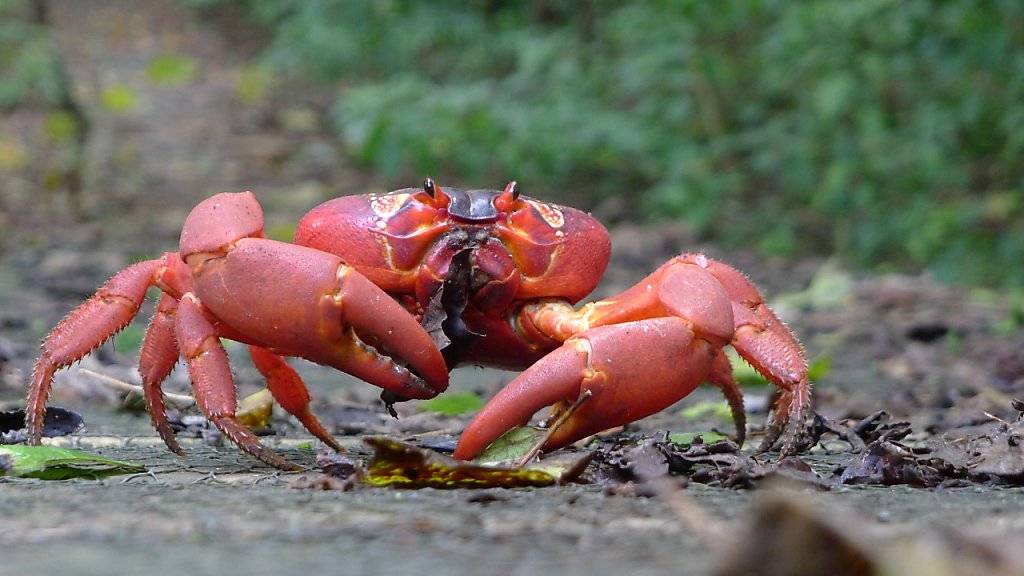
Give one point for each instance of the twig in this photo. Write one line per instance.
(180, 400)
(562, 418)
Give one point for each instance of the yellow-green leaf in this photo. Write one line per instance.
(717, 410)
(453, 403)
(50, 463)
(691, 437)
(402, 465)
(171, 70)
(510, 446)
(119, 98)
(255, 410)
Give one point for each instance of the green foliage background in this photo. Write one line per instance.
(28, 64)
(888, 131)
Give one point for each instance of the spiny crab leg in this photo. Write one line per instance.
(290, 392)
(94, 322)
(157, 357)
(212, 383)
(710, 305)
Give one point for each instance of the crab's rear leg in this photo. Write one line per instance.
(763, 340)
(85, 328)
(157, 357)
(721, 377)
(290, 392)
(212, 383)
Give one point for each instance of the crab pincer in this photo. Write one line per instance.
(632, 370)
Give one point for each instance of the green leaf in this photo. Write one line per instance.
(50, 463)
(819, 367)
(252, 84)
(61, 126)
(511, 446)
(171, 70)
(119, 98)
(690, 437)
(743, 372)
(453, 403)
(717, 410)
(129, 339)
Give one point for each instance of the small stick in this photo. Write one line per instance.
(562, 418)
(181, 400)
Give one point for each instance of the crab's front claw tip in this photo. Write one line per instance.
(632, 370)
(555, 378)
(404, 360)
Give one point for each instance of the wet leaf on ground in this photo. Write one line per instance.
(510, 446)
(338, 464)
(56, 422)
(403, 465)
(720, 463)
(889, 463)
(50, 463)
(999, 457)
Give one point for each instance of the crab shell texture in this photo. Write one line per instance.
(493, 249)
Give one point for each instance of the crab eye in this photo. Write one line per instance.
(429, 188)
(505, 202)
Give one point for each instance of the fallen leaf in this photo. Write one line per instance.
(453, 403)
(50, 463)
(255, 410)
(338, 465)
(510, 446)
(717, 410)
(691, 437)
(403, 465)
(889, 463)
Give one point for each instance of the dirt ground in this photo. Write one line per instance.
(939, 357)
(218, 511)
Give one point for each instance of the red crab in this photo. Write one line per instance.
(400, 288)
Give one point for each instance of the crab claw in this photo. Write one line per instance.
(632, 370)
(386, 345)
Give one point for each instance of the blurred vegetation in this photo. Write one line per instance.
(28, 62)
(888, 131)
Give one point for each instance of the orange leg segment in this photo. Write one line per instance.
(290, 392)
(157, 358)
(212, 383)
(85, 328)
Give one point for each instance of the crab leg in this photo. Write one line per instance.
(157, 358)
(290, 392)
(715, 304)
(721, 377)
(632, 370)
(212, 383)
(763, 340)
(97, 319)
